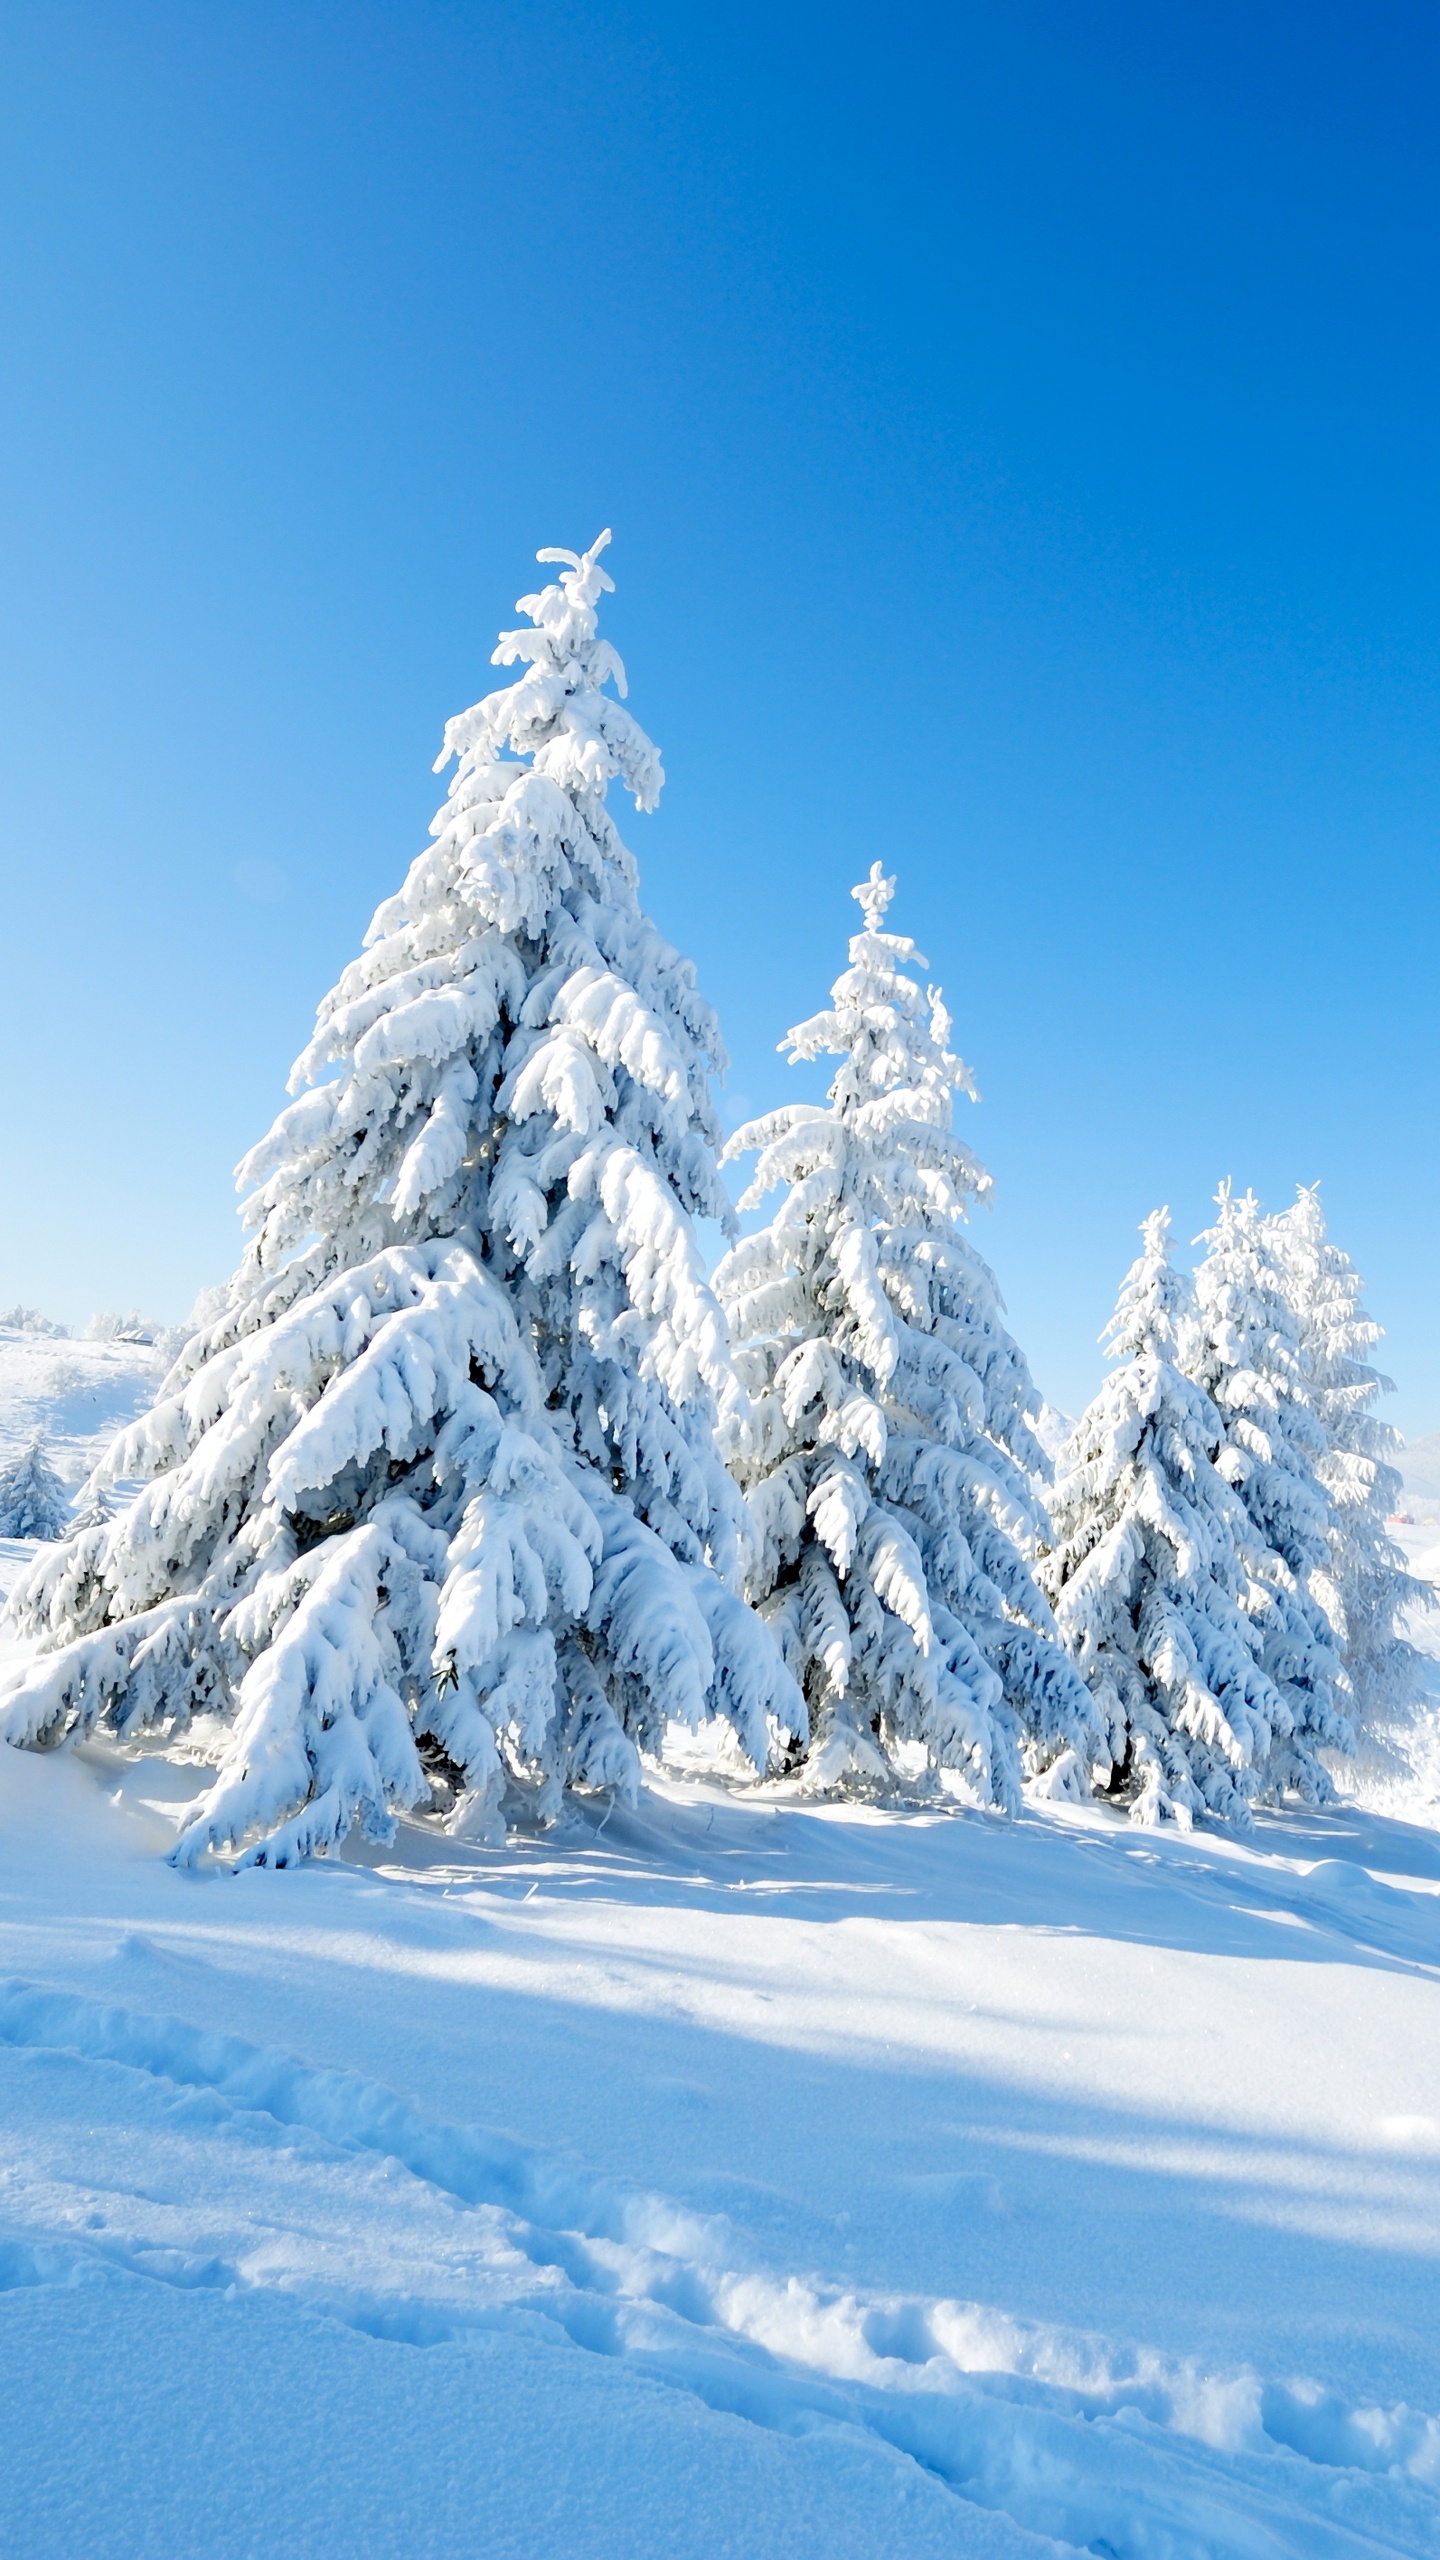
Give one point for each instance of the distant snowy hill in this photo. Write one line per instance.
(74, 1394)
(1419, 1465)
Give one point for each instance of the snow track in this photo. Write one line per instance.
(735, 2181)
(144, 2147)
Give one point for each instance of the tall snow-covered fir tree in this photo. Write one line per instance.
(33, 1501)
(433, 1507)
(1388, 1676)
(1155, 1568)
(1246, 1355)
(888, 1457)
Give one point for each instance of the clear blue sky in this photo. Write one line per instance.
(1019, 427)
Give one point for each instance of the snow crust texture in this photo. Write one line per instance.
(433, 1508)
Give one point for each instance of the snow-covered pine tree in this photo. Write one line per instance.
(433, 1503)
(33, 1501)
(888, 1457)
(1246, 1355)
(1388, 1676)
(1150, 1574)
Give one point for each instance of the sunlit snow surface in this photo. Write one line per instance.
(74, 1394)
(730, 2178)
(736, 2178)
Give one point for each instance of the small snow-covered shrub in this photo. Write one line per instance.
(30, 1320)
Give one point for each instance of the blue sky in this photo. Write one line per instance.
(1019, 431)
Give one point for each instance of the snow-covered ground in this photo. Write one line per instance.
(725, 2178)
(728, 2178)
(74, 1395)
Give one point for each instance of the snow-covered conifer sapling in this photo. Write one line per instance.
(33, 1501)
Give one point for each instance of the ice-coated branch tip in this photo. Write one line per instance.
(577, 559)
(874, 896)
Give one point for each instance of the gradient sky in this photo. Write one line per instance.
(1019, 427)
